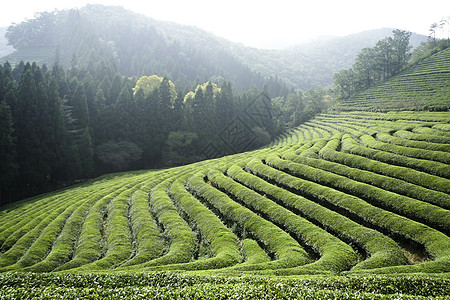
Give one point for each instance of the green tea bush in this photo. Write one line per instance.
(23, 244)
(437, 158)
(88, 247)
(436, 243)
(182, 286)
(182, 240)
(224, 244)
(148, 237)
(23, 217)
(427, 135)
(253, 253)
(63, 246)
(117, 240)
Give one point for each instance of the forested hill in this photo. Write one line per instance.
(107, 37)
(137, 45)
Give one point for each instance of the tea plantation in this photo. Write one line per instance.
(350, 205)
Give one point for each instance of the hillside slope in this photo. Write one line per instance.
(424, 86)
(99, 36)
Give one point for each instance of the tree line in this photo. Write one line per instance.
(59, 126)
(374, 65)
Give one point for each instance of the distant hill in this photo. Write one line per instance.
(313, 64)
(138, 45)
(424, 86)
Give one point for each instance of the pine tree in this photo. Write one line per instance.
(225, 110)
(79, 127)
(164, 107)
(124, 115)
(86, 153)
(54, 134)
(78, 102)
(31, 159)
(8, 161)
(116, 88)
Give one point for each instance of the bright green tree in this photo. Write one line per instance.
(148, 84)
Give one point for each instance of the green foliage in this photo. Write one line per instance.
(224, 244)
(328, 152)
(253, 253)
(5, 49)
(438, 169)
(176, 230)
(170, 286)
(352, 194)
(382, 250)
(148, 84)
(8, 164)
(24, 251)
(435, 216)
(149, 238)
(39, 31)
(119, 155)
(68, 126)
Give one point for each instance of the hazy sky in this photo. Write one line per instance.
(264, 23)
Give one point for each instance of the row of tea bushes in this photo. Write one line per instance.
(287, 250)
(335, 256)
(177, 286)
(380, 249)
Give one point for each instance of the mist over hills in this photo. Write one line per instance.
(4, 48)
(313, 64)
(138, 45)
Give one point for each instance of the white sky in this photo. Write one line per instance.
(264, 23)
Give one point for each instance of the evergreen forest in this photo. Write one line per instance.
(62, 126)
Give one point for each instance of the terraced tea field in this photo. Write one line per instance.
(349, 192)
(426, 85)
(346, 193)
